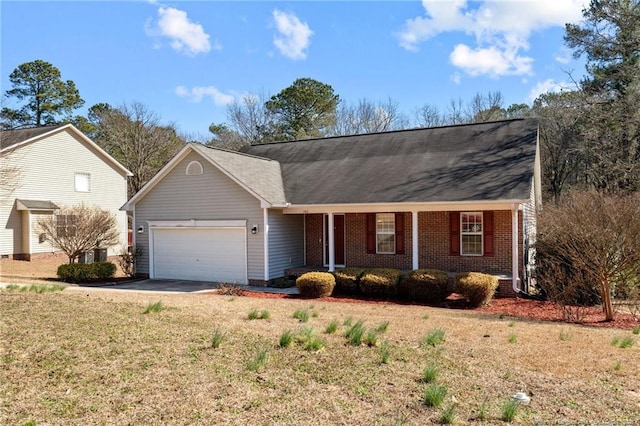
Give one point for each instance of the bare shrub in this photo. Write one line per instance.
(231, 290)
(589, 249)
(127, 260)
(77, 229)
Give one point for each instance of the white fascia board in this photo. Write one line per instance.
(128, 206)
(403, 207)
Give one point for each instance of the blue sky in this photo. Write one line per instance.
(186, 60)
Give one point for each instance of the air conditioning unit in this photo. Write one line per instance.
(100, 255)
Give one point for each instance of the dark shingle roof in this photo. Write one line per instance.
(475, 162)
(14, 137)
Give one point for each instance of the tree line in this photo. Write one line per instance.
(589, 136)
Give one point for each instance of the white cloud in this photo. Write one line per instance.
(293, 36)
(501, 30)
(185, 36)
(456, 77)
(547, 86)
(195, 94)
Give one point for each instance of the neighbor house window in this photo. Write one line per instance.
(66, 225)
(385, 233)
(471, 233)
(83, 182)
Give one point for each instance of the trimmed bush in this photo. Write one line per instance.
(86, 272)
(476, 287)
(316, 284)
(347, 280)
(424, 285)
(380, 282)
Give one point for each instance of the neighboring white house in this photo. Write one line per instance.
(46, 168)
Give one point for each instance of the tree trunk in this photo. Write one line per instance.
(607, 306)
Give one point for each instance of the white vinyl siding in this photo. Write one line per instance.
(209, 196)
(286, 242)
(47, 172)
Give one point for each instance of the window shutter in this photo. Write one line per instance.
(487, 226)
(399, 233)
(371, 233)
(454, 233)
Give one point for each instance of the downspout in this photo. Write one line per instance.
(514, 248)
(304, 238)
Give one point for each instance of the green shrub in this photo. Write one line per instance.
(476, 287)
(347, 280)
(424, 285)
(316, 284)
(380, 282)
(86, 272)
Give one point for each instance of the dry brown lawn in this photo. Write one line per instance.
(38, 271)
(91, 356)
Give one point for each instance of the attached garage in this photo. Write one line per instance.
(202, 251)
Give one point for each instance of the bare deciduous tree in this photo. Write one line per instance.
(133, 135)
(77, 229)
(596, 237)
(368, 117)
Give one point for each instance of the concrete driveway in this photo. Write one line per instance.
(182, 286)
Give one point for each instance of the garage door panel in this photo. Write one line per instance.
(217, 254)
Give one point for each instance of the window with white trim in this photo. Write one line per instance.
(471, 233)
(83, 182)
(66, 225)
(386, 233)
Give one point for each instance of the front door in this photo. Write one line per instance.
(338, 238)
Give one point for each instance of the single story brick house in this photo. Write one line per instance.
(456, 198)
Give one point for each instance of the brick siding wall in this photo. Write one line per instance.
(433, 244)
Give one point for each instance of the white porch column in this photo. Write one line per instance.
(414, 239)
(332, 248)
(514, 248)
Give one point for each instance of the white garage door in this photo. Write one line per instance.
(198, 254)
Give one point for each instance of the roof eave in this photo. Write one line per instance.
(507, 204)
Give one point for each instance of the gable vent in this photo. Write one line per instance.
(194, 168)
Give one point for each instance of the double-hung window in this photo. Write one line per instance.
(386, 233)
(471, 233)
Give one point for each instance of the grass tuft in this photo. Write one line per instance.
(385, 352)
(382, 327)
(332, 327)
(623, 342)
(510, 409)
(565, 336)
(302, 315)
(448, 415)
(217, 338)
(434, 394)
(430, 374)
(354, 333)
(512, 338)
(286, 338)
(372, 338)
(635, 330)
(434, 337)
(254, 314)
(154, 307)
(259, 359)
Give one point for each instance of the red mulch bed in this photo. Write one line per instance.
(510, 307)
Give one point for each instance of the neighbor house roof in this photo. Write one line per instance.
(43, 205)
(475, 162)
(14, 139)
